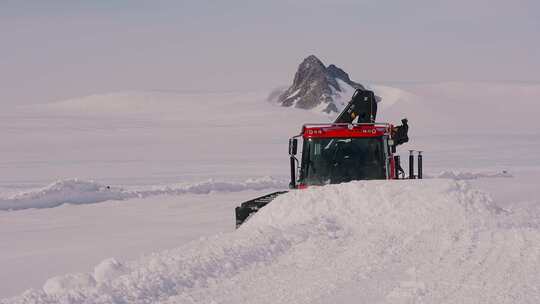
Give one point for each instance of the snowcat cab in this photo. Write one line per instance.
(339, 153)
(354, 147)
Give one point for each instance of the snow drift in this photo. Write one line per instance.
(72, 191)
(427, 241)
(75, 191)
(459, 175)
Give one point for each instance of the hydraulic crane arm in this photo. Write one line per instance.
(363, 105)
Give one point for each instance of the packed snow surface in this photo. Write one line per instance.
(430, 241)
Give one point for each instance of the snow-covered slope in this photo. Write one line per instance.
(402, 242)
(464, 108)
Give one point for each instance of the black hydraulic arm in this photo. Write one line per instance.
(363, 105)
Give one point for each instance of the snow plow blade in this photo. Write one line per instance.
(246, 209)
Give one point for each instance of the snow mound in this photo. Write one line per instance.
(107, 270)
(59, 284)
(426, 241)
(75, 191)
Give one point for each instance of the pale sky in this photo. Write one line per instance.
(53, 50)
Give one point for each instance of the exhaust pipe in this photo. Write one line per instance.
(419, 164)
(292, 184)
(411, 164)
(397, 165)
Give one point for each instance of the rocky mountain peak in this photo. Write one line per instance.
(311, 62)
(317, 86)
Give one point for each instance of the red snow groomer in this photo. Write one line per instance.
(354, 147)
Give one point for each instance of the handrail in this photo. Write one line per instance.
(375, 124)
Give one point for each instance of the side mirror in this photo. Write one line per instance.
(293, 146)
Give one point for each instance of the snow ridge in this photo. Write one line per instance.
(75, 191)
(459, 175)
(427, 241)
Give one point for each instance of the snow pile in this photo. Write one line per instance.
(75, 191)
(109, 269)
(68, 282)
(426, 241)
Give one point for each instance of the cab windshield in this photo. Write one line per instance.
(339, 160)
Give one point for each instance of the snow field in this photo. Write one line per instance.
(157, 138)
(430, 241)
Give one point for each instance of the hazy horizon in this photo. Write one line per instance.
(63, 49)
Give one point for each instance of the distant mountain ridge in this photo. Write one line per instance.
(316, 86)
